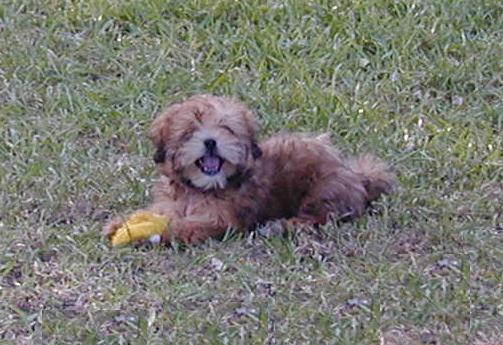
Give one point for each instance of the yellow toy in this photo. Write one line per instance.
(141, 225)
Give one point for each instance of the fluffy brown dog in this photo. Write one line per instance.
(216, 176)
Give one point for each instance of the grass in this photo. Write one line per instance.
(418, 82)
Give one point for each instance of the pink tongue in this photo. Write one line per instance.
(211, 163)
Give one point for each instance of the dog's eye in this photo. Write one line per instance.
(198, 115)
(186, 136)
(228, 129)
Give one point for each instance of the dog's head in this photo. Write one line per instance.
(206, 142)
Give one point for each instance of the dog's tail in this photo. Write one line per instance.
(377, 178)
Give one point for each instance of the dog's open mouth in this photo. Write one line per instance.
(210, 164)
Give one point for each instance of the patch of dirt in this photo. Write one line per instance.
(87, 141)
(398, 337)
(402, 336)
(315, 244)
(488, 341)
(29, 303)
(13, 277)
(76, 210)
(410, 242)
(242, 315)
(46, 255)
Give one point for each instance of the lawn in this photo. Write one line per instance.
(420, 83)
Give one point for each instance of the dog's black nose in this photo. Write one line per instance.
(210, 144)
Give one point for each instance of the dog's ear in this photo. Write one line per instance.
(253, 129)
(240, 176)
(160, 155)
(256, 150)
(160, 131)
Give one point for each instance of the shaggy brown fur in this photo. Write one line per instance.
(216, 176)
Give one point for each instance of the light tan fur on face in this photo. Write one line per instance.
(294, 178)
(183, 128)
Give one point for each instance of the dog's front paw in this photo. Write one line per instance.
(112, 226)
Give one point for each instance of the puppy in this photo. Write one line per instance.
(215, 175)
